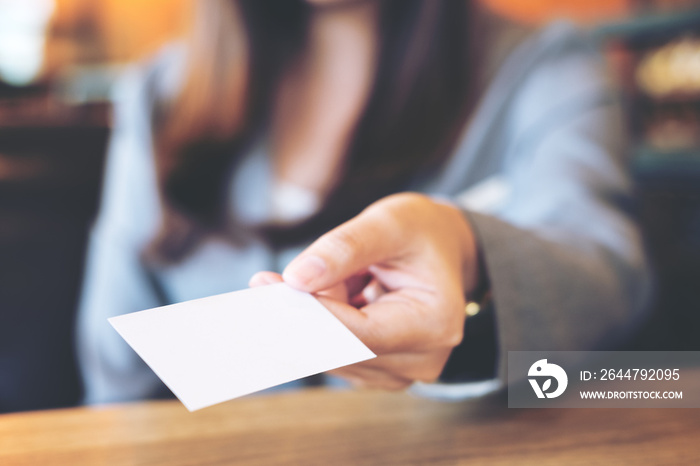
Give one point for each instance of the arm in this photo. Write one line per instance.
(566, 262)
(564, 259)
(564, 256)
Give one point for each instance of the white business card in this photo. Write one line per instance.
(214, 349)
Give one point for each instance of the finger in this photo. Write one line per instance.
(398, 322)
(358, 282)
(369, 293)
(373, 291)
(371, 237)
(264, 278)
(354, 319)
(375, 326)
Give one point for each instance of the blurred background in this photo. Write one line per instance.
(60, 58)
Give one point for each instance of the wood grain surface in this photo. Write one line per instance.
(320, 426)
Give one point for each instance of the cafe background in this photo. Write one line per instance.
(60, 58)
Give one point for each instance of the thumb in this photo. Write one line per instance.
(370, 238)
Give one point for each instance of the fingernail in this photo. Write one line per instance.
(301, 272)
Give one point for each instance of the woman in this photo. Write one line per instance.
(283, 119)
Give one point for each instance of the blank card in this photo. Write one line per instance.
(214, 349)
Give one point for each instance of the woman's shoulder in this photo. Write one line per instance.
(542, 74)
(560, 65)
(515, 60)
(545, 68)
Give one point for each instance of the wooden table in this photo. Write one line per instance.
(324, 427)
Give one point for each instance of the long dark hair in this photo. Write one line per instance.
(239, 50)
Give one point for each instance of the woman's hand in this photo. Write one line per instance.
(396, 276)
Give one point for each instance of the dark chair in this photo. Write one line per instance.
(50, 170)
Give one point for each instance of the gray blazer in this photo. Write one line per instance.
(540, 171)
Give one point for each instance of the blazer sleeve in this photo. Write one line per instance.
(563, 253)
(115, 280)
